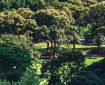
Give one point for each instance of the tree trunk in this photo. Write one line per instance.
(74, 40)
(73, 46)
(52, 44)
(98, 42)
(54, 48)
(98, 47)
(48, 46)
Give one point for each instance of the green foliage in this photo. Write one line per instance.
(96, 16)
(24, 21)
(53, 24)
(50, 16)
(17, 22)
(28, 78)
(14, 62)
(17, 40)
(36, 4)
(41, 34)
(22, 41)
(86, 78)
(77, 2)
(69, 56)
(33, 4)
(58, 70)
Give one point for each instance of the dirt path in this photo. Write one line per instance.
(95, 55)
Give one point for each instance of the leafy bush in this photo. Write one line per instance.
(56, 71)
(21, 41)
(72, 56)
(85, 78)
(13, 62)
(29, 78)
(17, 40)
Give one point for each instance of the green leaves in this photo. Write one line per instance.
(18, 22)
(53, 17)
(13, 62)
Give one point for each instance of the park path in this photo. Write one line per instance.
(95, 55)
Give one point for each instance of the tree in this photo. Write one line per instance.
(25, 12)
(4, 5)
(96, 18)
(18, 22)
(35, 4)
(72, 36)
(57, 21)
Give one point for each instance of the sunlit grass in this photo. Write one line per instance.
(90, 61)
(66, 45)
(40, 45)
(77, 46)
(83, 48)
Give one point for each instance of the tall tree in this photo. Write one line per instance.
(57, 21)
(96, 18)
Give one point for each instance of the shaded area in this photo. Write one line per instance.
(93, 74)
(13, 62)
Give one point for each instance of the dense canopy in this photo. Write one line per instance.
(63, 28)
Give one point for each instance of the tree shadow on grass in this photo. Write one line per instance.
(97, 67)
(91, 75)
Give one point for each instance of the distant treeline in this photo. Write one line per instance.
(39, 4)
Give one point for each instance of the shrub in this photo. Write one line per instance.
(85, 78)
(13, 62)
(17, 40)
(29, 78)
(56, 71)
(72, 56)
(21, 41)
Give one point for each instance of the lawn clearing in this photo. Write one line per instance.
(92, 60)
(83, 48)
(40, 45)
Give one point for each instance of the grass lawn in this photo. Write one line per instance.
(40, 45)
(90, 61)
(79, 46)
(82, 48)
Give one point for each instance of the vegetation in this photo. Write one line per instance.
(52, 42)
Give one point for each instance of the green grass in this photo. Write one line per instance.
(78, 46)
(83, 48)
(65, 46)
(40, 45)
(90, 61)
